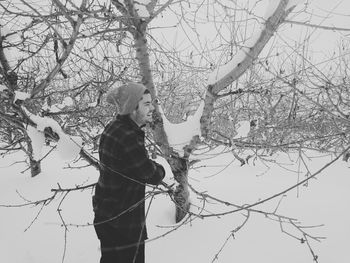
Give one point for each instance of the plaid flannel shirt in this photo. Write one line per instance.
(125, 169)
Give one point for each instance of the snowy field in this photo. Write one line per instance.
(28, 236)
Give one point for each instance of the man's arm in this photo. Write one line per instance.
(138, 164)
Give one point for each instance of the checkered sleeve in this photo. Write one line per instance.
(138, 165)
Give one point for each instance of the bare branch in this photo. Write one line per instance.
(332, 28)
(67, 50)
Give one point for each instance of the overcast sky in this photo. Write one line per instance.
(322, 13)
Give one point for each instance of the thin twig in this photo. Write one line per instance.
(332, 28)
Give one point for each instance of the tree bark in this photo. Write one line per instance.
(181, 193)
(35, 165)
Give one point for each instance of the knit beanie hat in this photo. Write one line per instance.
(126, 97)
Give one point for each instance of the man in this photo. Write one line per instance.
(125, 169)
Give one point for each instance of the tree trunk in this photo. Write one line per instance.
(35, 165)
(179, 166)
(181, 194)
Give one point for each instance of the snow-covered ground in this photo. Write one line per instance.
(26, 237)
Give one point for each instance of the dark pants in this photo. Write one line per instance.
(116, 247)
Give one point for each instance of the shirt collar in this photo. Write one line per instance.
(128, 121)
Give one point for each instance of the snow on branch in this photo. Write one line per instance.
(19, 95)
(2, 88)
(224, 75)
(68, 147)
(58, 107)
(141, 8)
(181, 134)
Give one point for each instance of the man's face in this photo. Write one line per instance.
(143, 114)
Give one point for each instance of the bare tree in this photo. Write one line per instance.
(59, 58)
